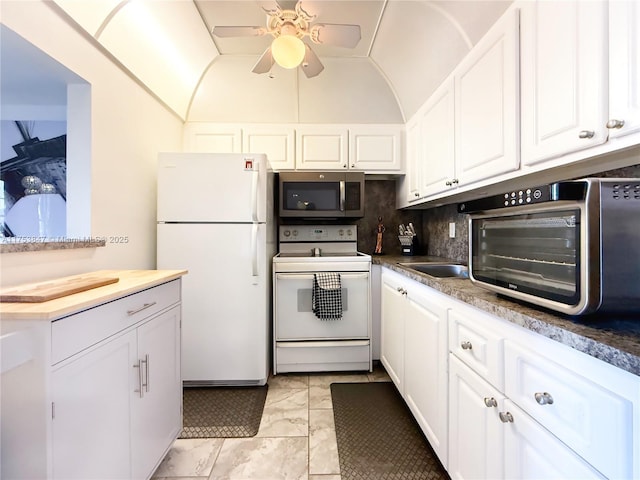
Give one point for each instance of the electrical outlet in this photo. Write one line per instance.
(452, 230)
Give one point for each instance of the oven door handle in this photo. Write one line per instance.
(342, 194)
(309, 276)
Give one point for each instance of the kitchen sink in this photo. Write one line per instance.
(440, 270)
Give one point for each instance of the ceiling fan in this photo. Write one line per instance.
(288, 27)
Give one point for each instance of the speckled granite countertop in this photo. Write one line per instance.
(613, 339)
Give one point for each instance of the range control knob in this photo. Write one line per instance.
(286, 233)
(341, 232)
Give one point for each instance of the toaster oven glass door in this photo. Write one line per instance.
(535, 253)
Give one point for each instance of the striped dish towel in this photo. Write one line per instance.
(327, 296)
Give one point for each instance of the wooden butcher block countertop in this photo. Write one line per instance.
(128, 282)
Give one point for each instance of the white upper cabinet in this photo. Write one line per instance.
(322, 148)
(564, 87)
(368, 148)
(212, 138)
(486, 104)
(437, 137)
(375, 147)
(624, 68)
(278, 143)
(413, 159)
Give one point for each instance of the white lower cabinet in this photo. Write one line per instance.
(498, 401)
(91, 420)
(552, 420)
(476, 435)
(126, 393)
(392, 324)
(101, 397)
(414, 351)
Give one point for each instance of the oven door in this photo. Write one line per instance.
(295, 320)
(533, 256)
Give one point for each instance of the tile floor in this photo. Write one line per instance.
(296, 439)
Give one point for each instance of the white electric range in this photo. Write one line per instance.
(303, 341)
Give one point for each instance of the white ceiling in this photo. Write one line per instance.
(407, 48)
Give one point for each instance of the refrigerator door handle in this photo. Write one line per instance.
(254, 195)
(254, 252)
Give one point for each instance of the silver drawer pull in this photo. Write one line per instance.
(506, 417)
(466, 345)
(613, 123)
(543, 398)
(490, 402)
(586, 134)
(143, 307)
(145, 384)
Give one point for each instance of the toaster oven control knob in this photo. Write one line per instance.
(586, 134)
(466, 345)
(490, 402)
(294, 233)
(341, 232)
(543, 398)
(287, 233)
(613, 123)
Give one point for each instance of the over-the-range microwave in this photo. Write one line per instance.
(573, 246)
(321, 194)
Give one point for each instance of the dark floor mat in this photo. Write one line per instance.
(222, 412)
(378, 437)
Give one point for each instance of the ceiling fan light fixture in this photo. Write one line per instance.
(288, 51)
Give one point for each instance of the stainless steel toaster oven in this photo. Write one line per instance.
(573, 247)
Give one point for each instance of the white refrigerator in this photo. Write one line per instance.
(215, 219)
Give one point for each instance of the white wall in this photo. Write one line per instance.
(128, 129)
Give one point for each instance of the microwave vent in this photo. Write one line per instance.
(626, 191)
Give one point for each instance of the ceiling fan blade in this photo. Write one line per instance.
(264, 64)
(307, 9)
(333, 34)
(224, 31)
(271, 7)
(311, 65)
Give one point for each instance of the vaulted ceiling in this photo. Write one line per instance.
(408, 47)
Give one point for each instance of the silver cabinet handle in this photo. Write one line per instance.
(417, 194)
(454, 181)
(143, 307)
(543, 398)
(401, 290)
(140, 381)
(613, 123)
(466, 345)
(490, 402)
(586, 134)
(448, 183)
(506, 417)
(353, 165)
(344, 166)
(146, 371)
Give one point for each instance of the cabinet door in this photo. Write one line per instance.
(376, 148)
(156, 417)
(437, 137)
(532, 453)
(563, 77)
(487, 103)
(91, 415)
(205, 137)
(412, 178)
(322, 148)
(426, 360)
(476, 434)
(624, 67)
(276, 143)
(558, 388)
(392, 329)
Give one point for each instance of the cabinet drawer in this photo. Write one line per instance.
(473, 341)
(322, 356)
(74, 333)
(594, 419)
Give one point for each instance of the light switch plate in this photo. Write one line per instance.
(452, 230)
